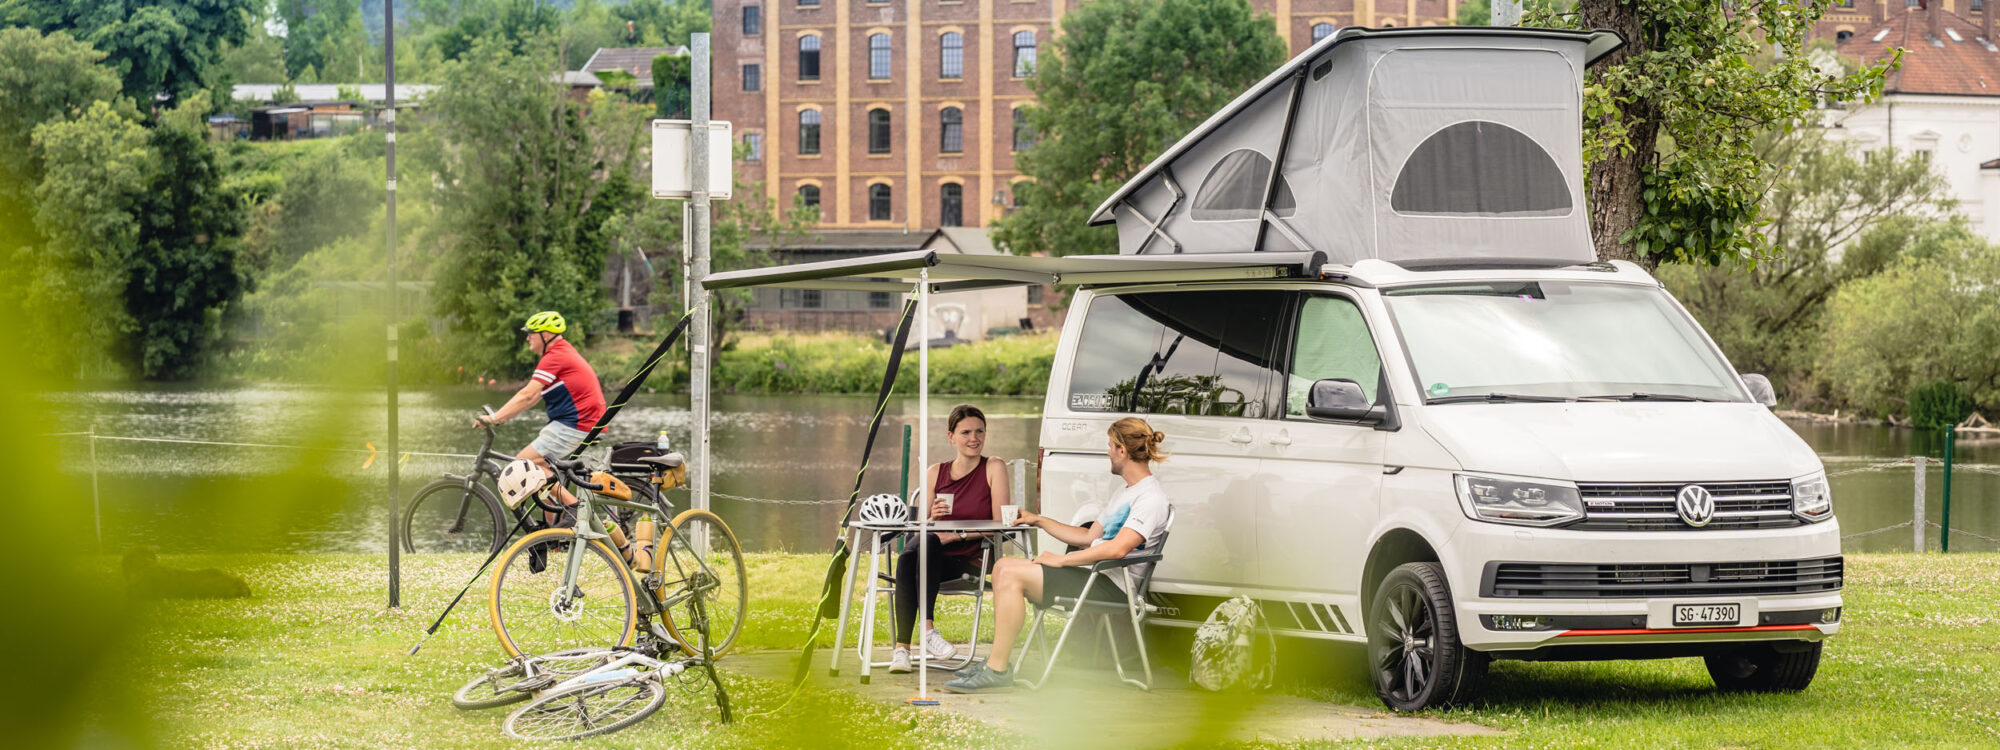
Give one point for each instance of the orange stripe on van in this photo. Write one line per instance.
(1646, 631)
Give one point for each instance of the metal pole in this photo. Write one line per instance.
(1917, 513)
(1944, 529)
(924, 466)
(903, 487)
(698, 335)
(389, 120)
(96, 509)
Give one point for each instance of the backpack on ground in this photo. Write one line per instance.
(1234, 648)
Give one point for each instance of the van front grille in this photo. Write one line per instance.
(1649, 506)
(1637, 580)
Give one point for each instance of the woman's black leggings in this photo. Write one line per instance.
(943, 568)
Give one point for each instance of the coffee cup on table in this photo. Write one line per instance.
(945, 499)
(1009, 514)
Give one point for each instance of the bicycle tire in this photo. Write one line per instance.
(423, 519)
(727, 607)
(522, 607)
(500, 686)
(642, 694)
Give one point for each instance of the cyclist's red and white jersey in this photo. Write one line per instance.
(569, 387)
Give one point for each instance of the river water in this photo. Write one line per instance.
(326, 495)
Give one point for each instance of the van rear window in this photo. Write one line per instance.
(1205, 353)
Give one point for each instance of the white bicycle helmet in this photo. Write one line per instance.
(519, 480)
(882, 509)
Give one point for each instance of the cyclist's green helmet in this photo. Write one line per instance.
(547, 320)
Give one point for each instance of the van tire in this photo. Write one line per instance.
(1415, 655)
(1764, 668)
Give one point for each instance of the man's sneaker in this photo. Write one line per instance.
(899, 660)
(938, 647)
(970, 669)
(983, 681)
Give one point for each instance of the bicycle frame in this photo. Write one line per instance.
(589, 526)
(660, 670)
(486, 463)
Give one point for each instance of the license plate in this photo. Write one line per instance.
(1707, 614)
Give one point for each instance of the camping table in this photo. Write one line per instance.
(881, 533)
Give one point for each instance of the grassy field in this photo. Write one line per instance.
(315, 660)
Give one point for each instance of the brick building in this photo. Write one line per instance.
(1850, 17)
(901, 113)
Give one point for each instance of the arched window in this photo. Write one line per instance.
(809, 132)
(1322, 31)
(951, 55)
(878, 56)
(1234, 189)
(952, 212)
(951, 138)
(1842, 36)
(1480, 168)
(809, 196)
(878, 131)
(808, 58)
(878, 203)
(1024, 54)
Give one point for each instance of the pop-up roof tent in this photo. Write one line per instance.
(1417, 146)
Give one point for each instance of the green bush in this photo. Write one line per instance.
(1939, 406)
(1924, 320)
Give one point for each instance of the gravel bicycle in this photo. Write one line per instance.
(524, 676)
(589, 596)
(606, 698)
(460, 513)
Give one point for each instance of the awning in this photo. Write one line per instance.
(950, 272)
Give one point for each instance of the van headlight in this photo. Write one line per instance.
(1525, 502)
(1812, 498)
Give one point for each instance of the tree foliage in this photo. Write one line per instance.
(1925, 320)
(181, 278)
(673, 97)
(43, 78)
(1671, 118)
(328, 37)
(157, 47)
(1123, 81)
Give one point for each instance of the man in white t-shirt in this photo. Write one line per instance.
(1135, 517)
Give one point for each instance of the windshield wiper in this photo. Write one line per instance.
(1497, 398)
(1645, 397)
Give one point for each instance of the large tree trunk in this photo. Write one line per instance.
(1616, 191)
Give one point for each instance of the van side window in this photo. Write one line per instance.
(1204, 353)
(1333, 342)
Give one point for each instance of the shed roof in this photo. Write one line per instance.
(635, 60)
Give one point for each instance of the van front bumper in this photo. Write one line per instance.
(1538, 593)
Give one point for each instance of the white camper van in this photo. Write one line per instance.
(1462, 438)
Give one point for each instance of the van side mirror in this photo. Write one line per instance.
(1339, 399)
(1761, 390)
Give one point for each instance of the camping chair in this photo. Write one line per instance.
(1135, 610)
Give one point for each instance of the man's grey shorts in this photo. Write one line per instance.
(557, 440)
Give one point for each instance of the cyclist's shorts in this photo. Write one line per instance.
(557, 440)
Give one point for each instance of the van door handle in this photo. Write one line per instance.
(1242, 435)
(1283, 438)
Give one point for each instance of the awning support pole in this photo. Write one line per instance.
(924, 583)
(1264, 215)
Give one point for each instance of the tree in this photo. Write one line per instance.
(1834, 216)
(86, 205)
(1116, 91)
(514, 23)
(1925, 320)
(327, 36)
(43, 78)
(656, 23)
(156, 46)
(673, 95)
(1670, 119)
(181, 277)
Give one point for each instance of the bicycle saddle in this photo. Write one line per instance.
(667, 461)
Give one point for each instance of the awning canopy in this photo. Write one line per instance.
(949, 272)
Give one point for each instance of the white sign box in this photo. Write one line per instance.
(673, 170)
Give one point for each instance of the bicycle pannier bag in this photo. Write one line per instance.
(625, 457)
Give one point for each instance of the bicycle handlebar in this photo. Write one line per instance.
(575, 472)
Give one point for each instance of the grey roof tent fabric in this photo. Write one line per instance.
(1422, 147)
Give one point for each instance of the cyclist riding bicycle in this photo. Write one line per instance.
(569, 392)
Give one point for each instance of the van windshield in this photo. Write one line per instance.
(1555, 340)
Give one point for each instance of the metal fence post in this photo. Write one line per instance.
(1917, 514)
(1944, 529)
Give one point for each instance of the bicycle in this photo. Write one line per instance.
(523, 676)
(589, 596)
(460, 513)
(609, 697)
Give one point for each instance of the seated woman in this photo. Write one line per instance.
(1134, 517)
(969, 487)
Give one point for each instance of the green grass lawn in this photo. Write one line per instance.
(314, 659)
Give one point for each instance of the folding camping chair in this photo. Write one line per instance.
(1135, 609)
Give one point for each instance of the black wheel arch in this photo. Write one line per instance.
(1398, 546)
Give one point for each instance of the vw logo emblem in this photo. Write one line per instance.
(1695, 505)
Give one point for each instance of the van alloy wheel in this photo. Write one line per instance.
(1413, 647)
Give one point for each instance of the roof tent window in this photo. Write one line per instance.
(1234, 189)
(1479, 168)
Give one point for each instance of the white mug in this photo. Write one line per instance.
(1009, 514)
(946, 498)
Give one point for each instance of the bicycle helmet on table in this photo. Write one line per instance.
(519, 480)
(882, 509)
(548, 321)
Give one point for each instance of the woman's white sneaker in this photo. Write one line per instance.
(899, 660)
(938, 647)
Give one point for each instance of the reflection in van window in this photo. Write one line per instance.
(1557, 339)
(1333, 342)
(1204, 353)
(1481, 168)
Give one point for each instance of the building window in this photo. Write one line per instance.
(878, 202)
(951, 139)
(952, 210)
(1035, 294)
(1977, 5)
(1024, 134)
(808, 58)
(881, 300)
(808, 3)
(951, 47)
(753, 146)
(878, 131)
(809, 196)
(1024, 54)
(1842, 36)
(809, 132)
(810, 299)
(753, 77)
(878, 57)
(1322, 31)
(753, 20)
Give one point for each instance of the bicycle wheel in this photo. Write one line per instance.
(587, 711)
(713, 572)
(533, 614)
(444, 516)
(510, 683)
